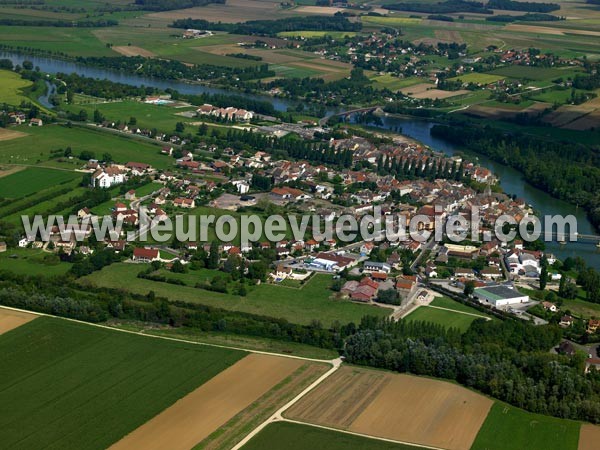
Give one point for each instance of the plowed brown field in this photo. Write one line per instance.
(197, 415)
(589, 437)
(394, 406)
(10, 319)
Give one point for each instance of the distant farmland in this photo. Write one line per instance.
(65, 385)
(33, 179)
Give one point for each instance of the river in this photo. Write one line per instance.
(511, 180)
(513, 183)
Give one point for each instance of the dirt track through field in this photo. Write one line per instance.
(394, 406)
(589, 437)
(197, 415)
(10, 320)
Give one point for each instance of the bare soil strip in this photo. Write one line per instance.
(589, 437)
(131, 50)
(197, 415)
(395, 406)
(233, 431)
(9, 135)
(10, 320)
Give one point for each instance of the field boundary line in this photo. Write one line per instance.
(353, 433)
(185, 341)
(460, 312)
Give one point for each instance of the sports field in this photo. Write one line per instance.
(65, 385)
(293, 436)
(432, 413)
(33, 179)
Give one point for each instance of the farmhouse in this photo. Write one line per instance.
(184, 202)
(145, 255)
(500, 295)
(36, 122)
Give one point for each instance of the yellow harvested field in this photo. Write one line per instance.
(10, 319)
(401, 407)
(417, 88)
(198, 414)
(8, 135)
(132, 50)
(324, 10)
(589, 437)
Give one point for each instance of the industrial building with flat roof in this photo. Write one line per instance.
(500, 295)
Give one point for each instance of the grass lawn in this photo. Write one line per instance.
(11, 86)
(510, 428)
(295, 305)
(162, 117)
(33, 179)
(448, 319)
(36, 147)
(29, 261)
(445, 302)
(65, 385)
(394, 83)
(478, 78)
(292, 436)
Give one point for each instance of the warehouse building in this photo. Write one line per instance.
(500, 295)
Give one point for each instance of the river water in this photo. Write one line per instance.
(511, 180)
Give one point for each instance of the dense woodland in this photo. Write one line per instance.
(512, 5)
(337, 22)
(166, 5)
(445, 7)
(508, 360)
(566, 170)
(175, 70)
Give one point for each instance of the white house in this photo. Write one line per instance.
(107, 177)
(242, 186)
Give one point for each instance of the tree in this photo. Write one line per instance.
(388, 296)
(544, 273)
(469, 288)
(179, 127)
(213, 256)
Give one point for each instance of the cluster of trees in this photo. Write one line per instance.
(175, 70)
(167, 5)
(445, 7)
(529, 17)
(99, 259)
(508, 360)
(98, 23)
(512, 5)
(99, 88)
(408, 169)
(566, 170)
(337, 22)
(587, 82)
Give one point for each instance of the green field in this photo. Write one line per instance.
(294, 72)
(296, 305)
(535, 73)
(36, 147)
(389, 21)
(448, 319)
(33, 179)
(394, 83)
(477, 78)
(292, 436)
(65, 385)
(445, 302)
(25, 261)
(11, 87)
(312, 34)
(510, 428)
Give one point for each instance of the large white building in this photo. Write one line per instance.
(500, 295)
(107, 177)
